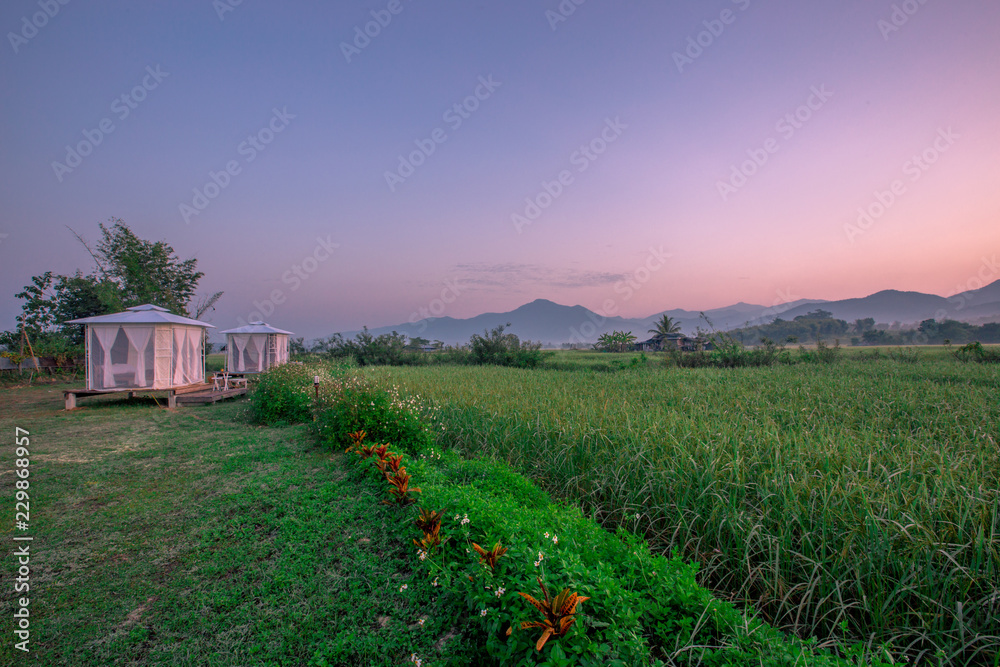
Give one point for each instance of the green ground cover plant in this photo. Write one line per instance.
(637, 608)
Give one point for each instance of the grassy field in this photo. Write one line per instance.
(858, 499)
(192, 538)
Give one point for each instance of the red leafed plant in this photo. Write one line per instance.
(356, 439)
(560, 614)
(399, 489)
(389, 465)
(490, 557)
(429, 521)
(367, 451)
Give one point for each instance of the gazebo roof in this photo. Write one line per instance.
(256, 327)
(145, 314)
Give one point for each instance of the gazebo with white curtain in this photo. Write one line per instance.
(255, 348)
(143, 348)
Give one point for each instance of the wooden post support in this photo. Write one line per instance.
(70, 400)
(172, 399)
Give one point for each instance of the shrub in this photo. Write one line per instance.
(357, 403)
(369, 350)
(823, 354)
(977, 353)
(497, 348)
(731, 353)
(285, 394)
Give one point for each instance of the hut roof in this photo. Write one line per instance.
(144, 314)
(256, 327)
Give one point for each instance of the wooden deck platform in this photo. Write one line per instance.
(195, 394)
(208, 395)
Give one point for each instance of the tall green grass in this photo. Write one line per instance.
(851, 502)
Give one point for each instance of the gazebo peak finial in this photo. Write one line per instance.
(147, 306)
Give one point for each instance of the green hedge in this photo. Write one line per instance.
(285, 394)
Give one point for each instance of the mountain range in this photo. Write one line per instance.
(554, 324)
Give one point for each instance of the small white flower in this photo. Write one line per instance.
(546, 536)
(403, 588)
(435, 582)
(421, 621)
(555, 539)
(484, 612)
(501, 591)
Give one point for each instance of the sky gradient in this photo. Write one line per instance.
(708, 152)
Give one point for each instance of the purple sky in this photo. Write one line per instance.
(705, 174)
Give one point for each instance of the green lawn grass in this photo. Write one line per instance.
(191, 538)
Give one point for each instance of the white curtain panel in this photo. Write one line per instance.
(179, 340)
(239, 342)
(139, 339)
(106, 335)
(195, 369)
(259, 343)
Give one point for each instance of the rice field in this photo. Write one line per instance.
(854, 502)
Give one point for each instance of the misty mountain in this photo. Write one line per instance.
(554, 324)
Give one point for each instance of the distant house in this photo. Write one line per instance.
(673, 342)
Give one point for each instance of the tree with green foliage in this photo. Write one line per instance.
(129, 271)
(664, 327)
(498, 348)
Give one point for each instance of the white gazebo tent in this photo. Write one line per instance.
(255, 348)
(144, 347)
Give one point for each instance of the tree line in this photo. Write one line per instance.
(128, 271)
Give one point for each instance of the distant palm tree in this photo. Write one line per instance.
(626, 339)
(664, 327)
